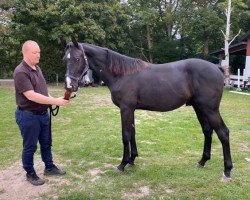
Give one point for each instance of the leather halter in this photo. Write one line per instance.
(85, 68)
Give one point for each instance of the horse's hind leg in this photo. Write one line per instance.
(222, 131)
(207, 131)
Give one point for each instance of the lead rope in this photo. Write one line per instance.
(52, 112)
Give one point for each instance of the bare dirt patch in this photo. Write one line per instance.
(13, 183)
(245, 146)
(95, 174)
(147, 142)
(143, 191)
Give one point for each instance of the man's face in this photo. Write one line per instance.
(32, 53)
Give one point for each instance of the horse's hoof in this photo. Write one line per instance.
(118, 171)
(226, 179)
(120, 168)
(200, 165)
(131, 165)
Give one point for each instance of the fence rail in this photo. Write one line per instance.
(6, 83)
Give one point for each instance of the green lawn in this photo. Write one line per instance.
(87, 141)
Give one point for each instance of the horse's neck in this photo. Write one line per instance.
(104, 74)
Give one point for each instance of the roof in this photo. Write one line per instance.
(245, 37)
(236, 49)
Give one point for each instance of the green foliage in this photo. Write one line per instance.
(102, 23)
(173, 51)
(165, 30)
(202, 23)
(240, 16)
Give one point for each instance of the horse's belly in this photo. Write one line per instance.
(161, 102)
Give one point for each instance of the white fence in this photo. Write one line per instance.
(238, 80)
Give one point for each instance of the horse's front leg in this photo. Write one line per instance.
(133, 146)
(127, 117)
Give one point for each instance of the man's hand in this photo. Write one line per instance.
(61, 101)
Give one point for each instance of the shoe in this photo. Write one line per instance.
(54, 171)
(34, 179)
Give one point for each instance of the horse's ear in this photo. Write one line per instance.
(73, 39)
(63, 42)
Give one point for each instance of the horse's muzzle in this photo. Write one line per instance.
(70, 86)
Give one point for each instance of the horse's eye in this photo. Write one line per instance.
(78, 59)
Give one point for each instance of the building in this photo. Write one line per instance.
(241, 48)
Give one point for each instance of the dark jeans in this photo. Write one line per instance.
(34, 128)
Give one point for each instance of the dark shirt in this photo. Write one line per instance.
(25, 79)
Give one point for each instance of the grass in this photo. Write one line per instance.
(87, 142)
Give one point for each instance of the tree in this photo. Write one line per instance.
(154, 30)
(7, 43)
(46, 21)
(227, 34)
(200, 24)
(227, 43)
(153, 24)
(144, 16)
(168, 13)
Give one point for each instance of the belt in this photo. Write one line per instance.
(35, 112)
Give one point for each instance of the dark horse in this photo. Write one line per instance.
(135, 84)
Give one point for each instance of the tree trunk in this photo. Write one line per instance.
(149, 44)
(169, 19)
(206, 49)
(227, 36)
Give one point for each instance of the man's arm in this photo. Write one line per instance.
(42, 99)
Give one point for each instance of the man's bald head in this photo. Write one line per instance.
(31, 53)
(28, 45)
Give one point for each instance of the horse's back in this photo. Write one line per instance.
(189, 81)
(197, 72)
(167, 86)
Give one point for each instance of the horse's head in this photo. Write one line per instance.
(76, 62)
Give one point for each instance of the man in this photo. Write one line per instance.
(32, 101)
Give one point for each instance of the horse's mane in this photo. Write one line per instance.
(123, 65)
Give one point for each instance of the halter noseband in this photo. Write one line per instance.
(85, 69)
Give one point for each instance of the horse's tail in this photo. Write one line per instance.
(221, 68)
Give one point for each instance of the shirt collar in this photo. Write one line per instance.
(28, 67)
